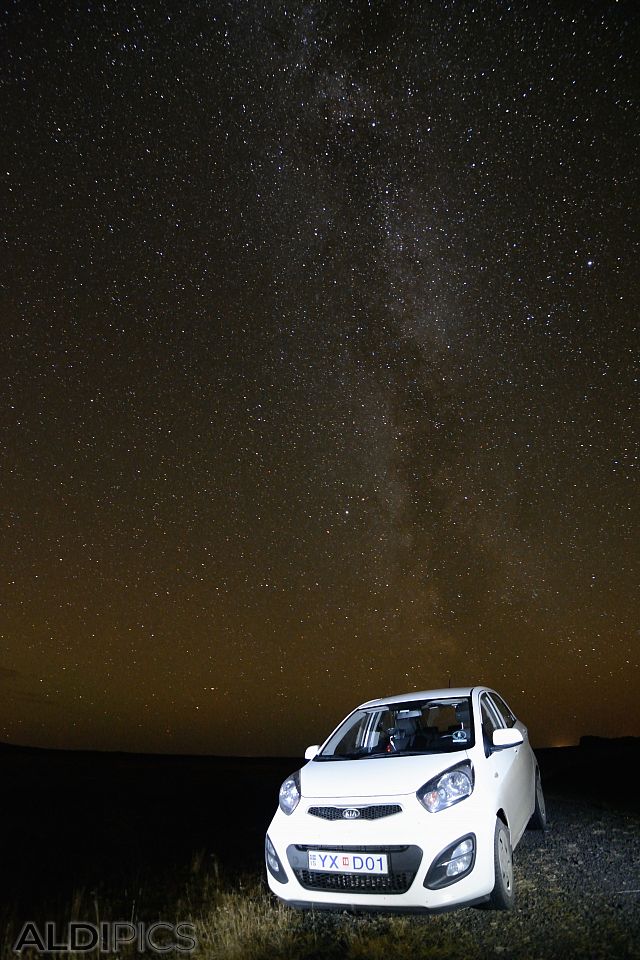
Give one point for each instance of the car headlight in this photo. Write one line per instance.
(447, 788)
(289, 796)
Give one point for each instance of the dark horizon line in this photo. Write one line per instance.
(585, 741)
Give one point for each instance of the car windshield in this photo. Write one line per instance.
(401, 729)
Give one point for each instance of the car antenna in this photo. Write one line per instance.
(449, 681)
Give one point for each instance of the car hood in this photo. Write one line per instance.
(380, 777)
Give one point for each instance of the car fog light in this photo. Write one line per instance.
(273, 862)
(460, 858)
(272, 858)
(455, 862)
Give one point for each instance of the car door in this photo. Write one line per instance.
(505, 768)
(524, 760)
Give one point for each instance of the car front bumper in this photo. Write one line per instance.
(413, 840)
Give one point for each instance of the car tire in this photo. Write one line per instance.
(538, 819)
(503, 893)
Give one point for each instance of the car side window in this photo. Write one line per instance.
(504, 711)
(490, 722)
(489, 718)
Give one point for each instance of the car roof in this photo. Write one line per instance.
(447, 693)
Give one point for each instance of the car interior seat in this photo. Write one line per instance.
(426, 738)
(404, 733)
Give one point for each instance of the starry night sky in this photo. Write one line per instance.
(319, 366)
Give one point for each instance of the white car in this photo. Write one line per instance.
(415, 802)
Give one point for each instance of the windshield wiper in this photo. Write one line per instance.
(442, 748)
(345, 756)
(325, 758)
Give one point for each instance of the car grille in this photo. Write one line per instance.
(374, 812)
(389, 883)
(403, 866)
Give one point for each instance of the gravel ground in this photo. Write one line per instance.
(578, 897)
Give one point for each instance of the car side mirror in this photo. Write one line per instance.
(506, 737)
(311, 752)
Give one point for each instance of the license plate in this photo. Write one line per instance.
(331, 861)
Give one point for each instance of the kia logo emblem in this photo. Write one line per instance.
(351, 813)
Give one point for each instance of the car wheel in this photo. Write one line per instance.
(503, 893)
(538, 819)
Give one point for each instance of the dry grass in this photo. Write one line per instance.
(241, 920)
(236, 918)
